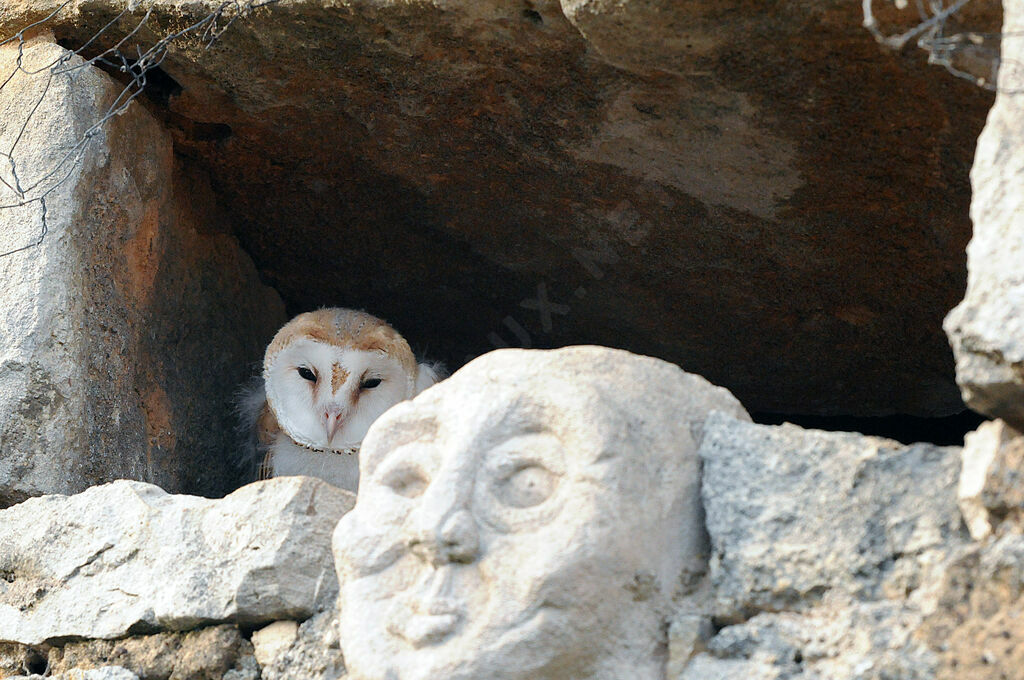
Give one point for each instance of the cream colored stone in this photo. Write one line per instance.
(688, 635)
(274, 640)
(534, 516)
(979, 451)
(989, 492)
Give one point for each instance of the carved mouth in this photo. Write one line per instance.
(425, 622)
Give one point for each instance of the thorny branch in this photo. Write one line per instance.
(946, 46)
(135, 68)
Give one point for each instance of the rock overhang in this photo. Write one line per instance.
(763, 197)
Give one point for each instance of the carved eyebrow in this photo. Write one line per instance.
(538, 446)
(401, 433)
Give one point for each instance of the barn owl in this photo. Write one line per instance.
(327, 375)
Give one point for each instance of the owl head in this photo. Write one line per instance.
(329, 374)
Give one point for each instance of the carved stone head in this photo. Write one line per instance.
(530, 517)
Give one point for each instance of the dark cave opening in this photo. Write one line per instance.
(907, 429)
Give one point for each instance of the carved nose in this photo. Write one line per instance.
(453, 537)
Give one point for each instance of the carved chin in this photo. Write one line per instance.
(425, 614)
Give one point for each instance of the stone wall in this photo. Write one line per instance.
(832, 555)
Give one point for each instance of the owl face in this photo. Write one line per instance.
(326, 396)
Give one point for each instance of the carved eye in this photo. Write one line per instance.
(406, 481)
(527, 486)
(307, 374)
(370, 383)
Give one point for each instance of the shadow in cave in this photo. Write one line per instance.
(943, 431)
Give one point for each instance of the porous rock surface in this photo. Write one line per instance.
(977, 622)
(127, 557)
(313, 653)
(825, 510)
(673, 178)
(986, 329)
(125, 332)
(829, 553)
(101, 673)
(208, 653)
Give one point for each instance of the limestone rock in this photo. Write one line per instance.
(688, 634)
(533, 517)
(669, 177)
(205, 654)
(978, 622)
(991, 489)
(127, 557)
(314, 654)
(271, 642)
(986, 330)
(839, 641)
(794, 514)
(17, 659)
(833, 556)
(124, 333)
(102, 673)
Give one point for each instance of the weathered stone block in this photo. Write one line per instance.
(795, 513)
(314, 654)
(986, 330)
(127, 557)
(204, 654)
(977, 622)
(851, 641)
(125, 331)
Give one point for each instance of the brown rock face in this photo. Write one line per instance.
(204, 654)
(756, 192)
(125, 332)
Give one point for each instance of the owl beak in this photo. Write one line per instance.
(332, 422)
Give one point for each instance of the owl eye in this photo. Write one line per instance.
(370, 383)
(307, 374)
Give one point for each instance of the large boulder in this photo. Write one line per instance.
(128, 317)
(127, 557)
(986, 329)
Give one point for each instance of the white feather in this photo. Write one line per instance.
(430, 373)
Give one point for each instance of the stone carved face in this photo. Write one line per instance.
(520, 521)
